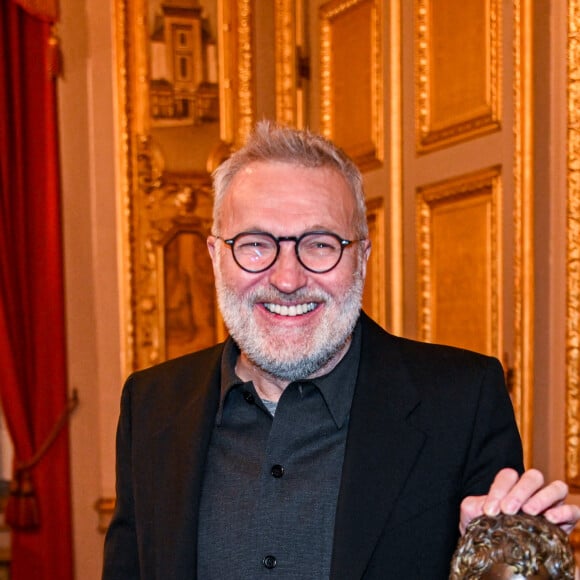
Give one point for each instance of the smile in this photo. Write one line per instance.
(294, 310)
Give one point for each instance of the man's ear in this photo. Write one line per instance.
(367, 249)
(211, 241)
(365, 259)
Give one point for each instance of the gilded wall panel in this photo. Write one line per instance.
(351, 78)
(573, 253)
(184, 78)
(458, 70)
(522, 363)
(236, 58)
(459, 270)
(374, 292)
(289, 48)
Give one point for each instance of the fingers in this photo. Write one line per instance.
(565, 516)
(509, 493)
(550, 496)
(471, 507)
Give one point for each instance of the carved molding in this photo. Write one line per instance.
(286, 62)
(245, 58)
(157, 203)
(167, 205)
(453, 193)
(394, 114)
(236, 59)
(366, 150)
(482, 119)
(374, 293)
(125, 120)
(573, 252)
(522, 379)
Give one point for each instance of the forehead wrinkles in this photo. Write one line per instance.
(321, 196)
(314, 207)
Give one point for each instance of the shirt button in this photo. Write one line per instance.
(269, 562)
(248, 397)
(277, 471)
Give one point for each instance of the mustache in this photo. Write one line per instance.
(275, 295)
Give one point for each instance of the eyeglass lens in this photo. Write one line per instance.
(318, 252)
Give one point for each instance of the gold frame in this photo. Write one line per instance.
(289, 18)
(237, 99)
(456, 189)
(376, 274)
(430, 139)
(522, 379)
(154, 204)
(371, 154)
(572, 254)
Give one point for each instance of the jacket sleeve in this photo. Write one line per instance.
(495, 440)
(121, 561)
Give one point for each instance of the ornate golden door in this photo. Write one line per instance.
(432, 99)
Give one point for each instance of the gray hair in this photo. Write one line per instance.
(272, 142)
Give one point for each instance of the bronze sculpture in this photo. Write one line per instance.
(513, 547)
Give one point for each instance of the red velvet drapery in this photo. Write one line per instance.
(33, 387)
(43, 9)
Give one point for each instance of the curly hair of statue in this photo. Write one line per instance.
(512, 546)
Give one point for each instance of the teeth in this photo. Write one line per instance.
(294, 310)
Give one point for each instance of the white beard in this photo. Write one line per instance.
(284, 353)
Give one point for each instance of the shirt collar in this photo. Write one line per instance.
(337, 387)
(229, 378)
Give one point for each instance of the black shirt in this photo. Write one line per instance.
(271, 483)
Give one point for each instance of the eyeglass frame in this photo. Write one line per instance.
(230, 242)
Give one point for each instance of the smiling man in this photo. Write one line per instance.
(295, 320)
(312, 444)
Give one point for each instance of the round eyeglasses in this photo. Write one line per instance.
(318, 252)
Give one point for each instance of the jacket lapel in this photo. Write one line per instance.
(179, 449)
(381, 449)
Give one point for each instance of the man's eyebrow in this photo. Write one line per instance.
(311, 228)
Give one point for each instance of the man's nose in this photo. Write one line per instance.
(287, 274)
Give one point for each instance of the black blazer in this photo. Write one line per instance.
(429, 425)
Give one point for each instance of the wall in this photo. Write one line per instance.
(88, 157)
(87, 112)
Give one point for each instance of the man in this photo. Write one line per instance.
(312, 444)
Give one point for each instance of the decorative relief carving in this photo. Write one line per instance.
(170, 205)
(286, 48)
(374, 292)
(237, 62)
(126, 181)
(447, 246)
(448, 112)
(352, 78)
(573, 252)
(168, 77)
(245, 54)
(521, 374)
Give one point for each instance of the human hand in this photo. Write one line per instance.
(509, 493)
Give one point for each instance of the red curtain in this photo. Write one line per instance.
(33, 389)
(45, 9)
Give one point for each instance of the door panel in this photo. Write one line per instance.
(432, 98)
